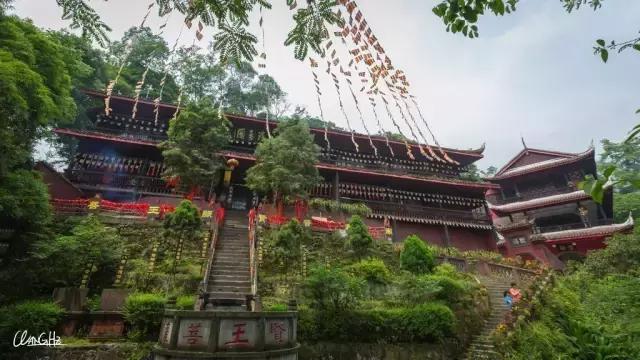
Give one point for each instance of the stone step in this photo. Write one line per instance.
(227, 271)
(229, 277)
(239, 263)
(227, 295)
(223, 282)
(229, 289)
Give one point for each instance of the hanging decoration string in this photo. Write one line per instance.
(363, 78)
(156, 101)
(381, 70)
(263, 65)
(127, 52)
(335, 61)
(140, 83)
(393, 120)
(314, 65)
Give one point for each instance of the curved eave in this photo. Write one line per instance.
(586, 233)
(104, 137)
(476, 153)
(540, 202)
(524, 170)
(452, 223)
(444, 182)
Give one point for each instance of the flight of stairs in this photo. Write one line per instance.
(481, 346)
(229, 280)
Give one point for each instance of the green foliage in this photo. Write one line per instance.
(329, 205)
(185, 302)
(276, 307)
(311, 27)
(416, 256)
(621, 256)
(34, 317)
(284, 245)
(144, 313)
(358, 238)
(332, 289)
(461, 16)
(231, 18)
(64, 259)
(373, 270)
(191, 152)
(425, 322)
(624, 204)
(285, 164)
(185, 219)
(625, 156)
(413, 290)
(35, 87)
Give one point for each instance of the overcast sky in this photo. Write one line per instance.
(530, 74)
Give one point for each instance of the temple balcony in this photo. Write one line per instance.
(498, 199)
(105, 181)
(124, 126)
(426, 215)
(571, 226)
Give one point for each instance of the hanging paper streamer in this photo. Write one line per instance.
(127, 52)
(380, 128)
(444, 154)
(393, 120)
(156, 101)
(140, 83)
(175, 114)
(381, 65)
(138, 89)
(314, 65)
(263, 65)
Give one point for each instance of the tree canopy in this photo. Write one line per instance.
(285, 163)
(191, 153)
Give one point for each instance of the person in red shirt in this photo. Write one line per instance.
(515, 292)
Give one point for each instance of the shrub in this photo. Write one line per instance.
(33, 316)
(185, 302)
(144, 313)
(416, 256)
(416, 289)
(451, 290)
(358, 236)
(426, 322)
(277, 307)
(332, 289)
(373, 270)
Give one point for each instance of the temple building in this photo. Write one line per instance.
(117, 157)
(539, 212)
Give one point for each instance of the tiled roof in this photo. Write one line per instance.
(575, 234)
(565, 159)
(453, 223)
(540, 202)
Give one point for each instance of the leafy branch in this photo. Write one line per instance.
(603, 49)
(461, 15)
(84, 17)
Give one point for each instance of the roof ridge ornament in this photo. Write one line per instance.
(524, 144)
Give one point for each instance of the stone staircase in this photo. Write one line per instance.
(481, 346)
(229, 279)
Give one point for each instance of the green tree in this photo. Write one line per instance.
(147, 50)
(24, 208)
(35, 87)
(416, 256)
(285, 163)
(471, 173)
(182, 225)
(64, 259)
(88, 70)
(626, 157)
(332, 289)
(286, 244)
(359, 239)
(623, 204)
(191, 153)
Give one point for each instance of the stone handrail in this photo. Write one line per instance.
(253, 270)
(210, 255)
(227, 334)
(483, 267)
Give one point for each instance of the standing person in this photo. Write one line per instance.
(515, 292)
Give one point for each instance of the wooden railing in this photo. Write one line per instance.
(135, 183)
(529, 195)
(553, 228)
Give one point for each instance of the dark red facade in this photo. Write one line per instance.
(119, 159)
(540, 213)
